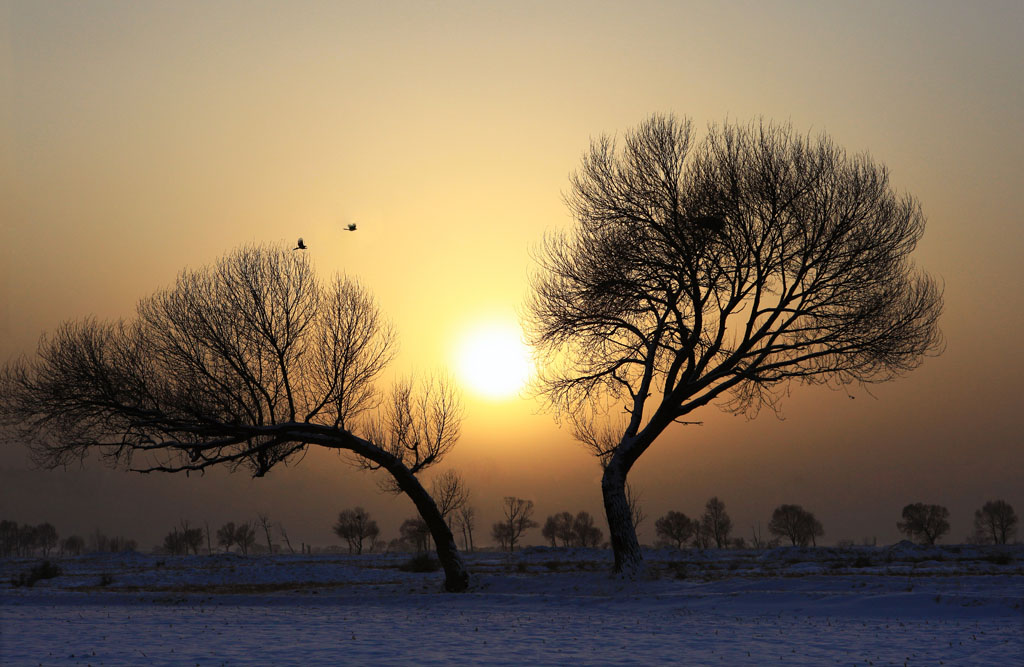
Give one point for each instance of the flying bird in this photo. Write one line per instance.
(351, 227)
(301, 246)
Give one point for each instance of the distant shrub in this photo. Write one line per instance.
(553, 565)
(678, 570)
(45, 570)
(521, 566)
(421, 563)
(106, 580)
(999, 558)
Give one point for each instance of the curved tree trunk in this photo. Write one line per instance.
(625, 546)
(456, 577)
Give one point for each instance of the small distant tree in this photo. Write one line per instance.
(226, 535)
(245, 537)
(174, 543)
(264, 521)
(183, 539)
(995, 522)
(558, 527)
(926, 523)
(415, 533)
(501, 534)
(675, 528)
(796, 524)
(466, 521)
(450, 493)
(354, 526)
(284, 536)
(584, 532)
(759, 541)
(46, 538)
(72, 546)
(715, 523)
(193, 537)
(518, 519)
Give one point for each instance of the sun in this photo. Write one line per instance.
(493, 361)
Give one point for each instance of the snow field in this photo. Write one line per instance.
(541, 606)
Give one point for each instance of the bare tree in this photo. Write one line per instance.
(450, 493)
(355, 526)
(182, 539)
(466, 521)
(264, 521)
(995, 522)
(518, 519)
(715, 523)
(245, 537)
(284, 536)
(924, 522)
(675, 528)
(559, 527)
(759, 541)
(501, 533)
(415, 533)
(46, 538)
(193, 537)
(72, 546)
(584, 532)
(244, 364)
(796, 524)
(718, 273)
(226, 535)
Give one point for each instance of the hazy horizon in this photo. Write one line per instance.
(142, 139)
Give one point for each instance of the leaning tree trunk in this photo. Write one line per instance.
(625, 546)
(456, 577)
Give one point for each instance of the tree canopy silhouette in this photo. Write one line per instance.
(245, 364)
(719, 272)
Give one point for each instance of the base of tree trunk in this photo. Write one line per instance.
(456, 582)
(627, 567)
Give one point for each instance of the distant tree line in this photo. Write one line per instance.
(994, 523)
(564, 529)
(711, 529)
(23, 540)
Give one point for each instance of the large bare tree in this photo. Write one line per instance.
(245, 364)
(719, 271)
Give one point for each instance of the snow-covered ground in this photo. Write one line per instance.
(897, 605)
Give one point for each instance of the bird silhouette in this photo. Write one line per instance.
(301, 246)
(351, 227)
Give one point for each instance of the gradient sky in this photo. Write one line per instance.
(140, 138)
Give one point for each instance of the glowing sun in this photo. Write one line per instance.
(493, 361)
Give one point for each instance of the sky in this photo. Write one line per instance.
(140, 139)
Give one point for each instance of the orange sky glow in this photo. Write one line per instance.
(143, 138)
